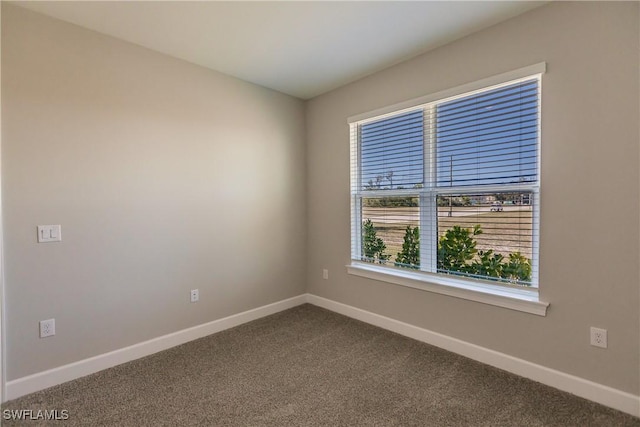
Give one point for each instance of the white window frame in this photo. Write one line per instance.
(498, 294)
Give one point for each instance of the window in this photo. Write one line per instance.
(449, 188)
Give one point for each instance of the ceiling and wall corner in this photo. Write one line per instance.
(300, 48)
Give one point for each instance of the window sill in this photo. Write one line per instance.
(525, 300)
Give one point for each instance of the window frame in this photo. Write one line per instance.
(485, 291)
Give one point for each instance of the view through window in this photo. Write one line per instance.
(452, 187)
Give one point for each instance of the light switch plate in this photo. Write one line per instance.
(49, 233)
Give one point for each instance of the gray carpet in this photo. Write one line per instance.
(306, 367)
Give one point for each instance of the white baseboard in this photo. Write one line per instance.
(81, 368)
(599, 393)
(590, 390)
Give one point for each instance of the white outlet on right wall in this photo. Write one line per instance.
(598, 337)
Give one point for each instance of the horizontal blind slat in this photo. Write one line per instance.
(391, 151)
(502, 144)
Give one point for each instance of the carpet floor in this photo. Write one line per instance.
(311, 367)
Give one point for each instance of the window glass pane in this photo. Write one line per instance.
(390, 233)
(489, 138)
(392, 152)
(486, 236)
(488, 143)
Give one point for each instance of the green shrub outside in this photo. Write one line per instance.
(457, 253)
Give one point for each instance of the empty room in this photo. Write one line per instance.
(320, 213)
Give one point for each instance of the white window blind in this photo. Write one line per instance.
(392, 152)
(489, 138)
(451, 187)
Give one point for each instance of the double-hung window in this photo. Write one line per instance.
(447, 190)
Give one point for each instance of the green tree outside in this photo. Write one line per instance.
(457, 253)
(373, 247)
(409, 257)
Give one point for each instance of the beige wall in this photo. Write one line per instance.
(590, 184)
(165, 176)
(2, 347)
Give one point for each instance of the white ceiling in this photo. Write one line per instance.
(300, 48)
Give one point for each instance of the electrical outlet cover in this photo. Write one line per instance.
(599, 337)
(47, 328)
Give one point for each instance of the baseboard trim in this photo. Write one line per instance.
(590, 390)
(81, 368)
(608, 396)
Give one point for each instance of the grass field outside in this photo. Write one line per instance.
(508, 231)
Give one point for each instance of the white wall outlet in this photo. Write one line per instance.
(49, 233)
(47, 328)
(325, 274)
(195, 295)
(599, 337)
